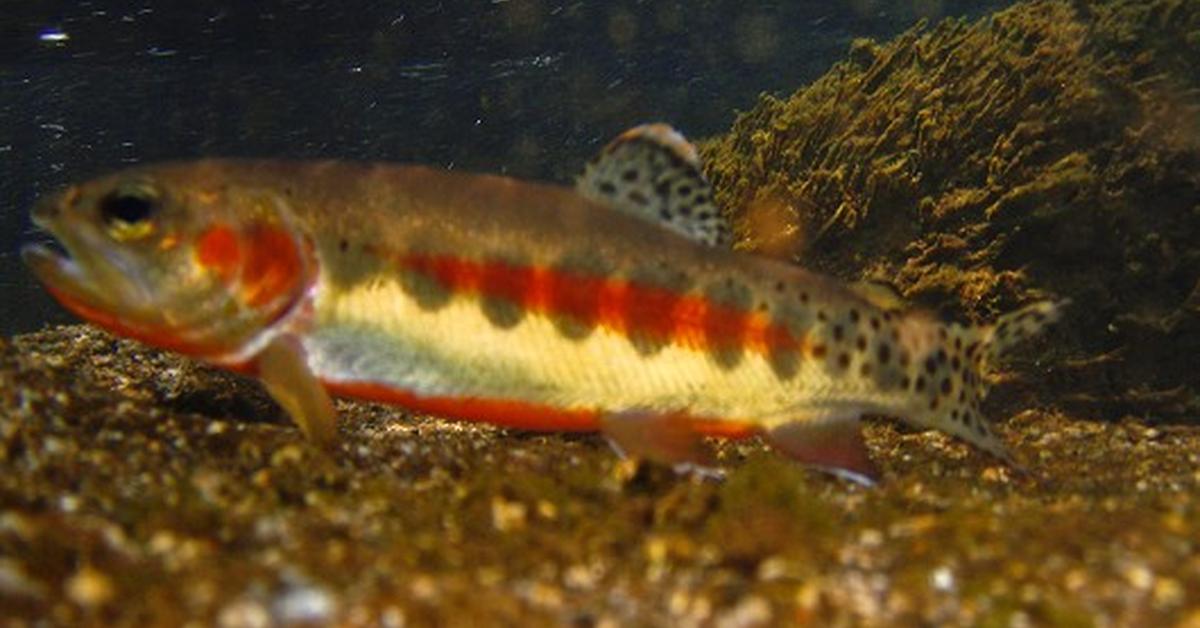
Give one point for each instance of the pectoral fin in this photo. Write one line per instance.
(284, 372)
(666, 439)
(830, 442)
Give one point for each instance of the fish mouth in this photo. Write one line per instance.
(54, 264)
(77, 267)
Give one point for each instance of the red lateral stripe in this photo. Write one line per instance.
(515, 414)
(617, 304)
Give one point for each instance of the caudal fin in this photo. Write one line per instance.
(949, 378)
(1014, 327)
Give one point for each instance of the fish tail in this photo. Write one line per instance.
(952, 373)
(1014, 327)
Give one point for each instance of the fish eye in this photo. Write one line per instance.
(127, 211)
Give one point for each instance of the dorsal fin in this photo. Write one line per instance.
(652, 172)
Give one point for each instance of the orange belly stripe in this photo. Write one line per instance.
(503, 412)
(515, 414)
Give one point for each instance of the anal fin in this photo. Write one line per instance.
(284, 372)
(666, 439)
(830, 442)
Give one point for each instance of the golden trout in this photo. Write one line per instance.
(613, 306)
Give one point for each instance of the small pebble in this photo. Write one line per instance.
(90, 587)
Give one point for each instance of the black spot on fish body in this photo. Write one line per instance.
(630, 175)
(427, 292)
(501, 312)
(573, 327)
(785, 362)
(728, 356)
(730, 293)
(884, 353)
(645, 344)
(607, 188)
(843, 361)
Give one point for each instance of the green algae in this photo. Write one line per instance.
(1051, 149)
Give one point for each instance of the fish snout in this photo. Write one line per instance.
(49, 209)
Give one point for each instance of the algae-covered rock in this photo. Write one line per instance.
(1051, 149)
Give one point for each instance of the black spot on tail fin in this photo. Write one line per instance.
(1014, 327)
(948, 378)
(652, 172)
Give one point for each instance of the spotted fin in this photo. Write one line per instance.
(652, 172)
(949, 374)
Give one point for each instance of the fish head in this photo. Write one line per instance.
(174, 259)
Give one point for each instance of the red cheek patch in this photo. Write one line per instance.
(273, 265)
(219, 251)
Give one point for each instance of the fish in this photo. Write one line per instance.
(615, 306)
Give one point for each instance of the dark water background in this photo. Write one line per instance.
(527, 87)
